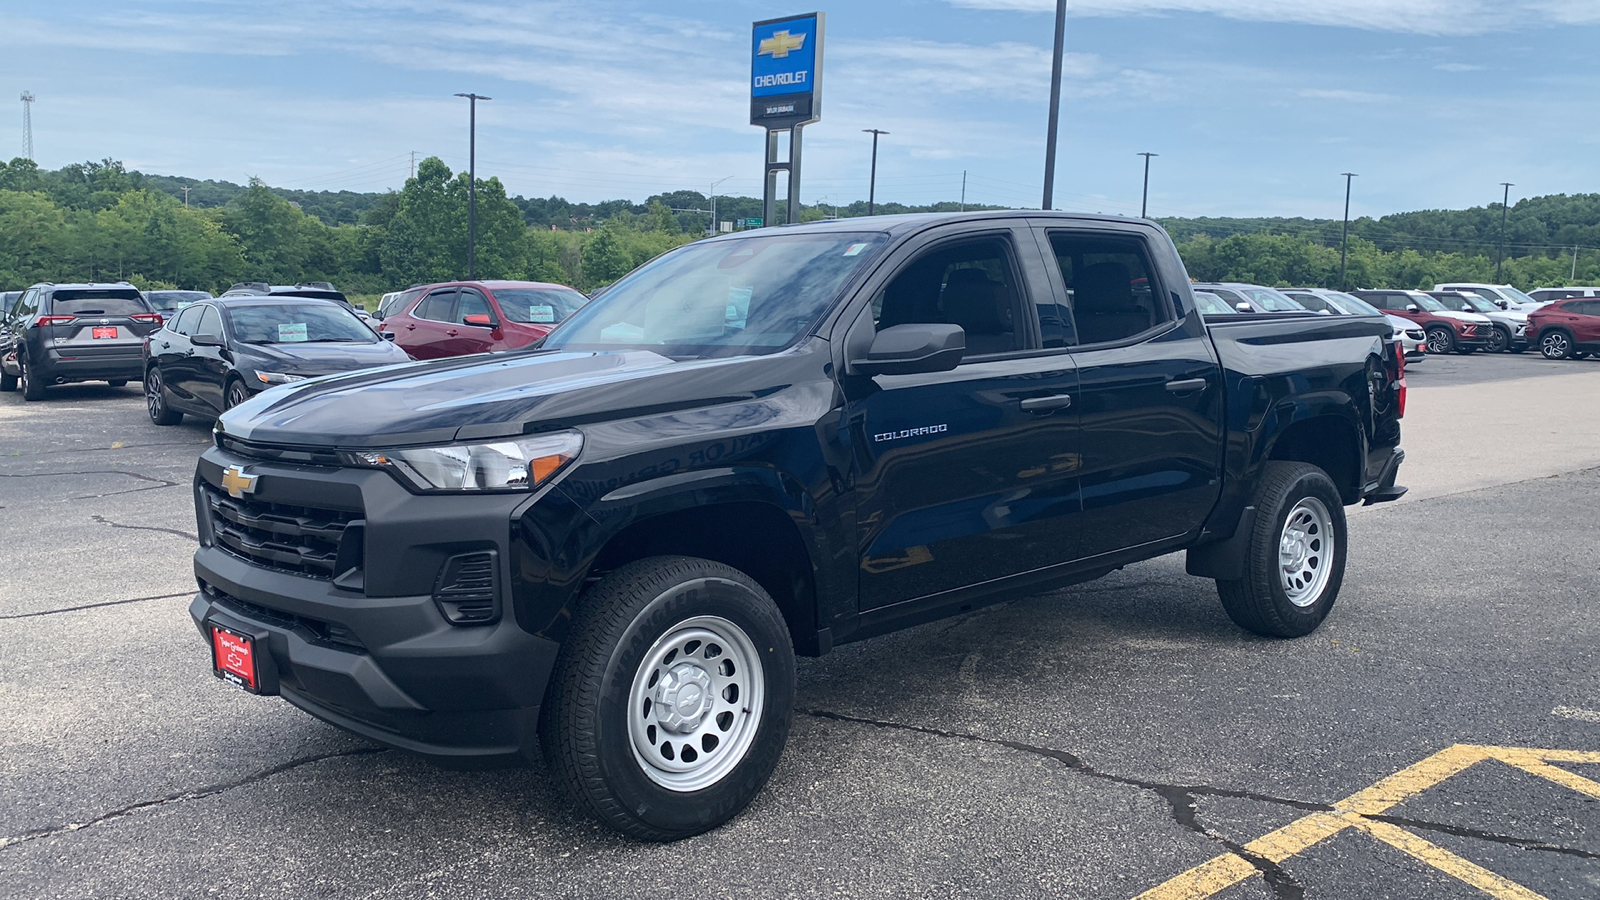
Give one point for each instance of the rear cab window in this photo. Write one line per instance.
(1112, 289)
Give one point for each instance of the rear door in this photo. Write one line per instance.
(208, 369)
(423, 332)
(463, 338)
(106, 324)
(173, 352)
(1150, 391)
(969, 475)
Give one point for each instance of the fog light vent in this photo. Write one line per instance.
(467, 588)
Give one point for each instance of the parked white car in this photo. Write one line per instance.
(1502, 295)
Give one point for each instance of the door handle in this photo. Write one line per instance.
(1186, 386)
(1046, 404)
(411, 327)
(452, 332)
(165, 345)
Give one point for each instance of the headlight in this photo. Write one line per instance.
(277, 378)
(514, 465)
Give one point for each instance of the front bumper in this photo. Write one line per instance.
(371, 650)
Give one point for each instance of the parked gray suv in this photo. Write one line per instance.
(57, 333)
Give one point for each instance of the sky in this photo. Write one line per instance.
(1255, 107)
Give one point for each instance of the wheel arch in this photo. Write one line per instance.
(1330, 440)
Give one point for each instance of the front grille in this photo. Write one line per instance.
(296, 539)
(331, 633)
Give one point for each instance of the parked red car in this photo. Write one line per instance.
(1566, 329)
(1448, 331)
(464, 317)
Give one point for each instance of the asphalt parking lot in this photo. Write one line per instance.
(1439, 737)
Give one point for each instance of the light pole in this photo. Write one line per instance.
(1144, 205)
(872, 182)
(1055, 104)
(472, 184)
(1505, 206)
(1344, 239)
(713, 229)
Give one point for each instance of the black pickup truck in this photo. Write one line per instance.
(768, 444)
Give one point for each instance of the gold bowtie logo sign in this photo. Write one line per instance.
(237, 483)
(781, 44)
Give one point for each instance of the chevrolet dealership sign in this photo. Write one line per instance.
(785, 71)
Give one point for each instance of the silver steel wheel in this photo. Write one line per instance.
(1305, 551)
(1555, 345)
(696, 704)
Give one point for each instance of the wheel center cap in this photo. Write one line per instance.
(683, 697)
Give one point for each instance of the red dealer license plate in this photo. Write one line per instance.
(107, 332)
(234, 657)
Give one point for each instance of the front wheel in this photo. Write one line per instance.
(1499, 340)
(235, 395)
(1441, 340)
(672, 697)
(1555, 345)
(1295, 558)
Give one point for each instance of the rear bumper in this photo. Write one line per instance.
(1386, 490)
(53, 367)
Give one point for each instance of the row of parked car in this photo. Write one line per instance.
(199, 355)
(1563, 323)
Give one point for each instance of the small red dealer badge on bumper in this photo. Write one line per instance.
(233, 657)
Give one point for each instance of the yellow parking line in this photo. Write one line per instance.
(1228, 869)
(1496, 886)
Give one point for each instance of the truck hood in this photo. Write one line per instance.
(491, 395)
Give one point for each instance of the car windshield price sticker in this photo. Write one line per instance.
(292, 333)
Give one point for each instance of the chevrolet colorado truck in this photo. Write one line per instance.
(612, 546)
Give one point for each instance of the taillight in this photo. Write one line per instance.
(53, 320)
(152, 318)
(1400, 380)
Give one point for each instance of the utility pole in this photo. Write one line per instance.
(872, 182)
(27, 123)
(1344, 239)
(413, 166)
(472, 185)
(1055, 104)
(1574, 264)
(714, 226)
(1144, 205)
(1505, 206)
(963, 190)
(186, 190)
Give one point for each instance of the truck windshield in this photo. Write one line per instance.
(750, 295)
(1353, 306)
(1516, 296)
(1272, 301)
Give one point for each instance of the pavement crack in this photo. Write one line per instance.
(184, 796)
(1477, 835)
(67, 609)
(183, 534)
(154, 483)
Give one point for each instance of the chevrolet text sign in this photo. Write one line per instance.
(785, 68)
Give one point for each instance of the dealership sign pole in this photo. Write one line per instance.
(785, 95)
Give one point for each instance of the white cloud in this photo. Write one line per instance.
(1440, 17)
(1344, 96)
(1458, 67)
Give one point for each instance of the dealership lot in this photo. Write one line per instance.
(1108, 740)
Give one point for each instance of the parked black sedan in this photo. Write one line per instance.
(216, 354)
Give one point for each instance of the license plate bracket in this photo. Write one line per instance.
(233, 658)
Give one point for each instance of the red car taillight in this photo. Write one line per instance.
(152, 318)
(1400, 379)
(53, 320)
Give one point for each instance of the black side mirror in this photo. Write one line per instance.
(206, 340)
(1502, 304)
(913, 350)
(386, 335)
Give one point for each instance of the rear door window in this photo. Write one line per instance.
(437, 306)
(1112, 287)
(186, 321)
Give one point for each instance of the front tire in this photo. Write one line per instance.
(1555, 345)
(1295, 557)
(1441, 340)
(234, 395)
(1499, 340)
(672, 697)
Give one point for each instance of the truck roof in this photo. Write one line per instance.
(898, 225)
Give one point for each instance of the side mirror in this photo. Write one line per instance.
(1244, 307)
(913, 350)
(1412, 307)
(1502, 304)
(386, 335)
(1466, 307)
(206, 340)
(480, 320)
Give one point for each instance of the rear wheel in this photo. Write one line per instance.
(1555, 345)
(8, 383)
(1441, 340)
(32, 387)
(1295, 558)
(1499, 340)
(672, 697)
(155, 400)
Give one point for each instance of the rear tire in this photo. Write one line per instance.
(8, 383)
(1295, 559)
(1555, 345)
(155, 400)
(32, 387)
(672, 697)
(1441, 340)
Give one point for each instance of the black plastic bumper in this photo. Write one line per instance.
(55, 368)
(1386, 490)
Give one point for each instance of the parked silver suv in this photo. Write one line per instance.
(1510, 325)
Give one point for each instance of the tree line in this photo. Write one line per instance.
(101, 221)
